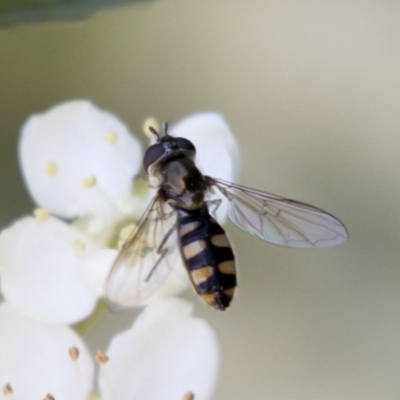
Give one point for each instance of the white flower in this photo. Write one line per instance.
(79, 162)
(166, 354)
(41, 265)
(34, 359)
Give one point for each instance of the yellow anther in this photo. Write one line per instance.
(140, 186)
(73, 353)
(89, 182)
(93, 396)
(41, 214)
(127, 231)
(150, 122)
(51, 169)
(7, 389)
(111, 137)
(79, 246)
(120, 243)
(101, 357)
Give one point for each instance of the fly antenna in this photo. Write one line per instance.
(153, 131)
(165, 128)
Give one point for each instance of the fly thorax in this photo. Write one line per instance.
(183, 181)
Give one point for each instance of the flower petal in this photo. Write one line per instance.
(165, 354)
(34, 359)
(217, 152)
(78, 160)
(96, 267)
(41, 270)
(140, 283)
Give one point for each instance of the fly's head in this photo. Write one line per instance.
(167, 147)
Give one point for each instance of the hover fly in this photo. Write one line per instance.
(182, 212)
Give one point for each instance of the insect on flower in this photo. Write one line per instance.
(181, 212)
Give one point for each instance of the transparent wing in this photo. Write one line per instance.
(279, 220)
(145, 259)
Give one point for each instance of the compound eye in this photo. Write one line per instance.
(153, 153)
(185, 144)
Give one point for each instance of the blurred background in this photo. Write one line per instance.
(311, 90)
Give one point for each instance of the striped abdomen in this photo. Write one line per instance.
(208, 257)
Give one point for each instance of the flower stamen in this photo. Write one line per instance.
(89, 182)
(188, 396)
(7, 389)
(51, 169)
(41, 214)
(111, 137)
(101, 357)
(79, 246)
(106, 202)
(128, 231)
(73, 353)
(125, 233)
(49, 397)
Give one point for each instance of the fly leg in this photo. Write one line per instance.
(164, 215)
(161, 251)
(215, 203)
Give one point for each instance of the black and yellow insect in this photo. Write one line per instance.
(180, 213)
(207, 255)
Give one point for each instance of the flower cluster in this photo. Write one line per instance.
(81, 166)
